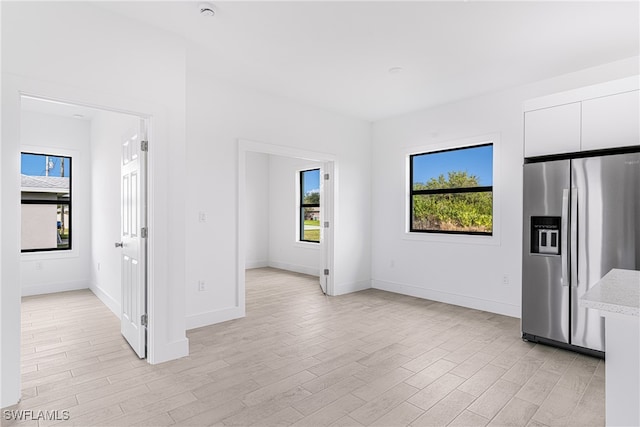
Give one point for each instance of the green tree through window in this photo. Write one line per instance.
(455, 201)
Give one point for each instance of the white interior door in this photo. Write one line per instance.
(133, 225)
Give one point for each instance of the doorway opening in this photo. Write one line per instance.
(96, 205)
(285, 214)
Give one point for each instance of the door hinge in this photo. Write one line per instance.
(326, 224)
(144, 145)
(144, 232)
(326, 177)
(326, 271)
(144, 320)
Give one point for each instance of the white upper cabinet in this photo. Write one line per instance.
(611, 121)
(601, 116)
(553, 130)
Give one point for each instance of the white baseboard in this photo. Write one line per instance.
(304, 269)
(50, 288)
(169, 351)
(212, 317)
(347, 288)
(256, 264)
(449, 298)
(108, 300)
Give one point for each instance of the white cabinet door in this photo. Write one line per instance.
(611, 121)
(552, 130)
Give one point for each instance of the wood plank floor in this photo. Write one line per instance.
(301, 358)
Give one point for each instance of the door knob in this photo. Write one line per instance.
(119, 245)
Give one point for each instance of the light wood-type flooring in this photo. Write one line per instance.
(301, 358)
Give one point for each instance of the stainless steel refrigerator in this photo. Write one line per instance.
(581, 219)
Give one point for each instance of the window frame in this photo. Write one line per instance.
(461, 190)
(302, 205)
(68, 203)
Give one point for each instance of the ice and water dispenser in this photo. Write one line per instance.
(545, 235)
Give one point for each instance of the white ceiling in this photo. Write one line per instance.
(56, 108)
(336, 55)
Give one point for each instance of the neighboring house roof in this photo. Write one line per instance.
(45, 184)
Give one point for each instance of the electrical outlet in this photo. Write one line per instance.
(98, 266)
(201, 286)
(392, 263)
(202, 216)
(505, 279)
(38, 266)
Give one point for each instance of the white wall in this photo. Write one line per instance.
(285, 251)
(469, 273)
(258, 205)
(91, 56)
(46, 272)
(107, 130)
(220, 113)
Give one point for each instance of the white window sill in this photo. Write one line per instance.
(459, 239)
(307, 245)
(47, 255)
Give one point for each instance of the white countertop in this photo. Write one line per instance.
(617, 292)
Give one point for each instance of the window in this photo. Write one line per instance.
(310, 205)
(46, 202)
(452, 191)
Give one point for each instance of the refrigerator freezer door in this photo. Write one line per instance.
(608, 232)
(545, 297)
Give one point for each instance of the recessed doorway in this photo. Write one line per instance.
(273, 229)
(78, 207)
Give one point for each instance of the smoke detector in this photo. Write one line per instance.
(207, 9)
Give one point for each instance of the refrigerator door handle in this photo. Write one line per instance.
(574, 237)
(564, 238)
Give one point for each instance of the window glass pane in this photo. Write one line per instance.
(311, 226)
(44, 165)
(453, 212)
(461, 168)
(45, 226)
(311, 186)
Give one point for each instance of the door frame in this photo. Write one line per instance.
(328, 208)
(161, 347)
(146, 119)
